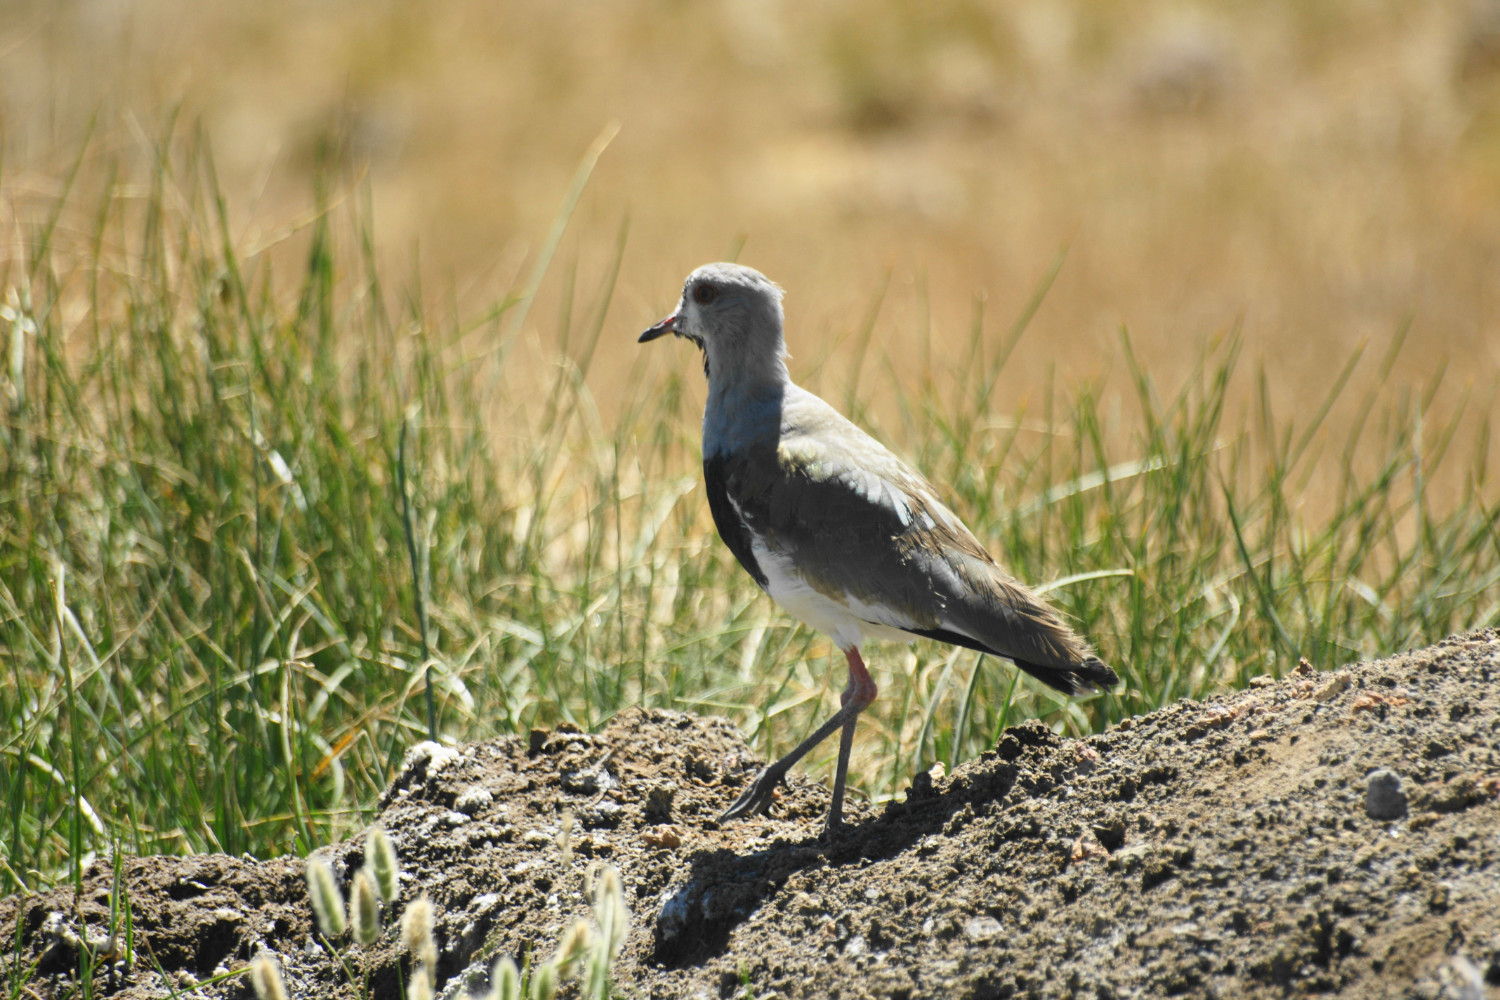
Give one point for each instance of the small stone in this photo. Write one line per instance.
(666, 838)
(473, 800)
(1130, 859)
(1085, 758)
(605, 814)
(676, 910)
(587, 781)
(1384, 796)
(1440, 898)
(434, 755)
(1086, 847)
(982, 928)
(804, 903)
(659, 802)
(1336, 686)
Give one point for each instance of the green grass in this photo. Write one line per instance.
(207, 624)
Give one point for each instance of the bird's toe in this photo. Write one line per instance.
(757, 798)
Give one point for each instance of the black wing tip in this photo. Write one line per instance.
(1098, 674)
(1093, 674)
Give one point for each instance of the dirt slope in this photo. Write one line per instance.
(1217, 849)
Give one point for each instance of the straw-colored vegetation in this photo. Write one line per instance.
(206, 606)
(208, 626)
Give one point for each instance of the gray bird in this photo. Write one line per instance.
(839, 531)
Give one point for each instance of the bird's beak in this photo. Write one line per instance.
(666, 326)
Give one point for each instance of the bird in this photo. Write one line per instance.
(837, 529)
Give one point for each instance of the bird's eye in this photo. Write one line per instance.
(704, 293)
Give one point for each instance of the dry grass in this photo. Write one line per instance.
(201, 565)
(1317, 175)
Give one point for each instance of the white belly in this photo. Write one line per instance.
(844, 618)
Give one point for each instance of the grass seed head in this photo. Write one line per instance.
(505, 980)
(416, 931)
(364, 908)
(596, 976)
(544, 982)
(382, 860)
(420, 987)
(327, 901)
(573, 946)
(610, 910)
(265, 977)
(565, 837)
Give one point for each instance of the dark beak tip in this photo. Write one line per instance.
(666, 326)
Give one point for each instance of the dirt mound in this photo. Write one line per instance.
(1238, 847)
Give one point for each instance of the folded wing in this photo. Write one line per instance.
(864, 528)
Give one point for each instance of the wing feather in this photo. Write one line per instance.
(860, 525)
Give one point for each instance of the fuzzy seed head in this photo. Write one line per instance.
(596, 976)
(265, 977)
(544, 982)
(420, 987)
(416, 931)
(573, 946)
(591, 877)
(387, 869)
(364, 908)
(610, 910)
(565, 838)
(327, 901)
(505, 980)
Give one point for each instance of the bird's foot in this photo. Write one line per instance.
(758, 797)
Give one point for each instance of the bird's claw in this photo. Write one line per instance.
(758, 797)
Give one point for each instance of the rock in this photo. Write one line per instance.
(1384, 796)
(471, 801)
(982, 928)
(659, 796)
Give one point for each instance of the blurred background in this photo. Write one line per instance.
(1317, 173)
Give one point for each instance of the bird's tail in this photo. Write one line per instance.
(1004, 617)
(1091, 674)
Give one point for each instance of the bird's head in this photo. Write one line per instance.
(733, 313)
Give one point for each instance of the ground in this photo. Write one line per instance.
(1235, 847)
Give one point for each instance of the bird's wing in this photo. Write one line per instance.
(867, 530)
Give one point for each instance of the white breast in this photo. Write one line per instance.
(844, 618)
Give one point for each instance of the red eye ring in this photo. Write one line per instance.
(704, 293)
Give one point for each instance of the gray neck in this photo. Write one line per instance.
(745, 392)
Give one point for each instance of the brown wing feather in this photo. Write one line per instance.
(858, 522)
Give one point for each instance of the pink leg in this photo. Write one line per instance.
(858, 694)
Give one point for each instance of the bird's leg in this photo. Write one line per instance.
(757, 798)
(857, 695)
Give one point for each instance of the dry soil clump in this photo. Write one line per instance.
(1333, 833)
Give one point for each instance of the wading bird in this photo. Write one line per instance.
(839, 531)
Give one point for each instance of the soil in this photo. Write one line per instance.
(1238, 847)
